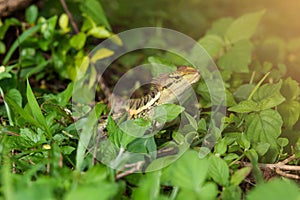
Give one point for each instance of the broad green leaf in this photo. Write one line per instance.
(116, 135)
(15, 95)
(231, 192)
(66, 150)
(290, 89)
(220, 26)
(189, 172)
(35, 109)
(64, 97)
(100, 54)
(93, 9)
(221, 147)
(149, 186)
(135, 128)
(275, 189)
(240, 175)
(245, 107)
(99, 32)
(213, 44)
(63, 22)
(78, 41)
(218, 170)
(98, 190)
(268, 96)
(243, 27)
(208, 191)
(261, 148)
(243, 92)
(167, 112)
(237, 58)
(282, 142)
(264, 127)
(31, 14)
(290, 112)
(48, 27)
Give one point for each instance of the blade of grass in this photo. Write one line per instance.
(35, 108)
(7, 109)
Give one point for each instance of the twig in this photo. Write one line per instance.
(289, 159)
(287, 175)
(134, 168)
(104, 88)
(273, 166)
(280, 168)
(64, 5)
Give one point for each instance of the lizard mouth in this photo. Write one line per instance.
(191, 74)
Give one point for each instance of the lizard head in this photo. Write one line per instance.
(191, 75)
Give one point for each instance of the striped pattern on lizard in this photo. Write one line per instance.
(167, 88)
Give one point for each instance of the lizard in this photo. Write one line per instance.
(167, 88)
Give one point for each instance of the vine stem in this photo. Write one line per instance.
(258, 85)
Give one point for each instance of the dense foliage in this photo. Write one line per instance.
(257, 151)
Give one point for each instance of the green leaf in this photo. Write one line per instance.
(218, 170)
(99, 32)
(245, 107)
(237, 58)
(167, 112)
(290, 89)
(220, 26)
(63, 22)
(243, 92)
(264, 127)
(243, 27)
(48, 27)
(15, 95)
(231, 192)
(31, 14)
(240, 175)
(64, 97)
(268, 96)
(261, 148)
(93, 9)
(275, 189)
(290, 112)
(135, 128)
(209, 191)
(149, 186)
(282, 142)
(35, 108)
(221, 147)
(213, 44)
(78, 41)
(189, 172)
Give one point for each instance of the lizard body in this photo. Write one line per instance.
(167, 89)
